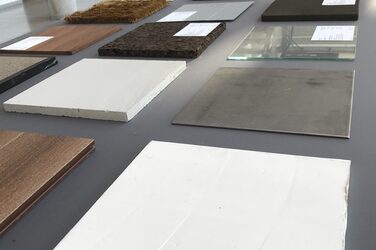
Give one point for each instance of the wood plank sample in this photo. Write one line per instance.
(301, 101)
(219, 11)
(30, 165)
(65, 40)
(117, 12)
(16, 69)
(105, 89)
(184, 197)
(312, 10)
(158, 40)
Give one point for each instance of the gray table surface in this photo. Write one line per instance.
(117, 143)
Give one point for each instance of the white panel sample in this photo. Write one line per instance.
(187, 197)
(106, 89)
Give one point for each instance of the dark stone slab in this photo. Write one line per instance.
(16, 69)
(158, 40)
(309, 10)
(301, 101)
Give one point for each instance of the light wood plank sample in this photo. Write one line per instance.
(66, 39)
(186, 197)
(104, 89)
(30, 165)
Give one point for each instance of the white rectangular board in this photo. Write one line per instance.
(105, 89)
(27, 43)
(197, 29)
(183, 197)
(338, 2)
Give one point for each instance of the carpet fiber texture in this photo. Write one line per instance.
(129, 11)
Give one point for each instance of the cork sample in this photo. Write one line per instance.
(158, 40)
(16, 69)
(312, 10)
(117, 11)
(30, 165)
(62, 40)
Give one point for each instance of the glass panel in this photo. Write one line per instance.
(291, 42)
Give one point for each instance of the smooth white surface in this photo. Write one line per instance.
(338, 2)
(334, 33)
(27, 43)
(106, 89)
(197, 29)
(177, 196)
(177, 16)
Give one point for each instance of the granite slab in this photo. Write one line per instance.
(188, 197)
(312, 10)
(16, 69)
(301, 101)
(105, 89)
(61, 40)
(219, 11)
(158, 40)
(30, 165)
(117, 12)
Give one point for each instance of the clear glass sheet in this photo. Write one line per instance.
(291, 42)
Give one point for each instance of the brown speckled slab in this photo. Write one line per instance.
(158, 40)
(117, 12)
(300, 101)
(16, 69)
(30, 165)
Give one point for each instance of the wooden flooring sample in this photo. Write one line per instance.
(16, 69)
(300, 101)
(105, 89)
(312, 10)
(61, 40)
(187, 197)
(117, 12)
(30, 165)
(159, 40)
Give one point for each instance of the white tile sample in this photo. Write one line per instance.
(105, 89)
(188, 197)
(219, 11)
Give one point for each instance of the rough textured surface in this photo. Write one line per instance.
(299, 101)
(189, 197)
(68, 39)
(158, 40)
(30, 164)
(310, 10)
(129, 11)
(16, 69)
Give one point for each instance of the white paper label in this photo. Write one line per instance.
(177, 16)
(197, 29)
(339, 2)
(333, 33)
(27, 43)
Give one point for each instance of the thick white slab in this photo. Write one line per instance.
(106, 89)
(176, 196)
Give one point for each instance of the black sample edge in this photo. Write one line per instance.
(21, 76)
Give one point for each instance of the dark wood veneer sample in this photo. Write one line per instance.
(30, 165)
(309, 10)
(16, 69)
(117, 12)
(158, 40)
(67, 39)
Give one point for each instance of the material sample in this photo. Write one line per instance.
(16, 69)
(295, 42)
(106, 89)
(196, 197)
(61, 40)
(312, 10)
(301, 101)
(117, 12)
(30, 165)
(159, 40)
(225, 11)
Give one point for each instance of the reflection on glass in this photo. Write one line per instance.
(291, 42)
